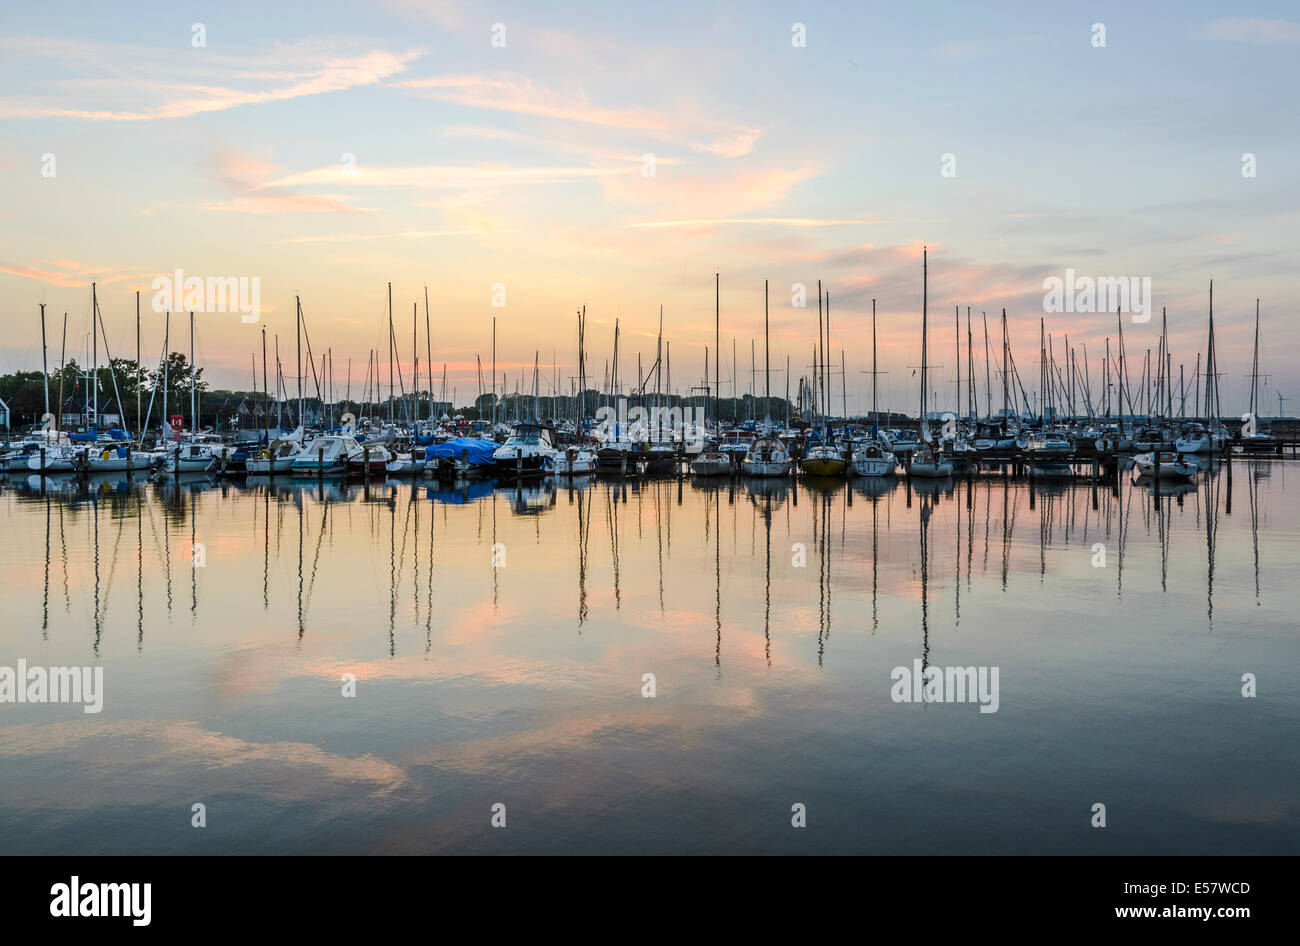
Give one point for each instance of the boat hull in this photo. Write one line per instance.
(823, 466)
(875, 466)
(767, 467)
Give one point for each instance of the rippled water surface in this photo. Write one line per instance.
(500, 640)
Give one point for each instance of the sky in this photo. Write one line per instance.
(544, 157)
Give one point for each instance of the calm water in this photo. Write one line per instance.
(521, 683)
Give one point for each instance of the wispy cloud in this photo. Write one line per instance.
(514, 93)
(247, 175)
(474, 132)
(445, 176)
(71, 273)
(174, 97)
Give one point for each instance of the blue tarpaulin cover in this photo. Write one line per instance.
(477, 452)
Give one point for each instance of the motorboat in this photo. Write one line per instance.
(1041, 443)
(1165, 465)
(572, 461)
(326, 456)
(525, 452)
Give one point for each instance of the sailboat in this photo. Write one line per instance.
(713, 462)
(199, 454)
(278, 455)
(1258, 440)
(823, 458)
(928, 460)
(874, 458)
(767, 456)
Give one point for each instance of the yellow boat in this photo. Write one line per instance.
(823, 461)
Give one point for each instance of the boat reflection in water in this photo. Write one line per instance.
(501, 639)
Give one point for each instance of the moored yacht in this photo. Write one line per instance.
(767, 457)
(1165, 465)
(526, 451)
(873, 458)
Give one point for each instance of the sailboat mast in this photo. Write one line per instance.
(767, 359)
(391, 389)
(194, 417)
(415, 366)
(94, 331)
(1006, 384)
(925, 292)
(1254, 367)
(297, 301)
(428, 351)
(874, 418)
(138, 373)
(44, 360)
(717, 351)
(819, 384)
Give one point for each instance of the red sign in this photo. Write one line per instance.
(178, 422)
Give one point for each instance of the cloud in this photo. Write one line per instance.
(182, 98)
(514, 93)
(247, 176)
(565, 145)
(452, 177)
(71, 273)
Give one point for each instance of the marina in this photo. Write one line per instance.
(499, 633)
(672, 430)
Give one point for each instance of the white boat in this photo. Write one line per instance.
(405, 464)
(525, 452)
(874, 459)
(1171, 466)
(767, 457)
(713, 463)
(1196, 439)
(929, 462)
(117, 458)
(573, 461)
(63, 458)
(190, 458)
(277, 457)
(1046, 443)
(326, 456)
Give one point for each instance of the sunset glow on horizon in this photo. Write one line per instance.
(618, 158)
